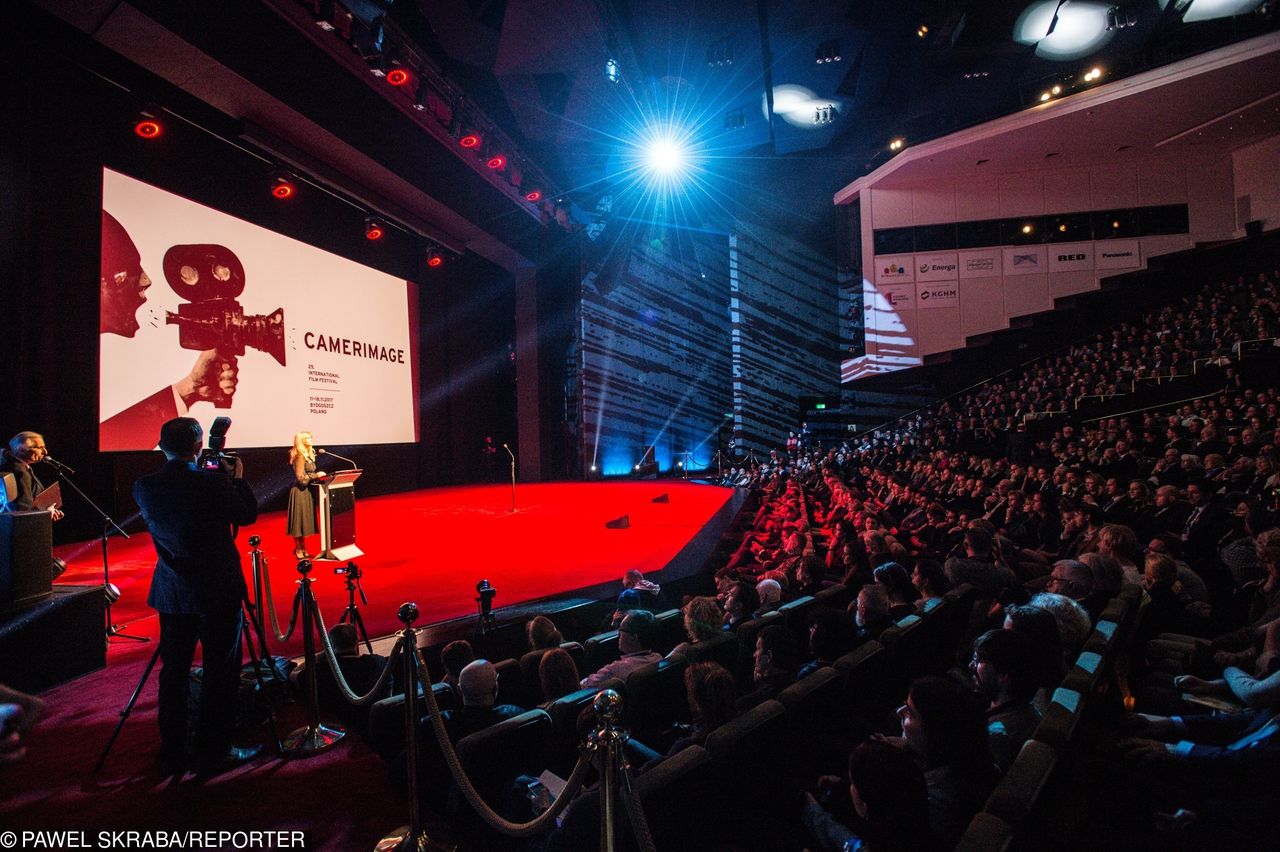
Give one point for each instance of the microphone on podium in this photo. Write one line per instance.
(508, 449)
(58, 465)
(321, 452)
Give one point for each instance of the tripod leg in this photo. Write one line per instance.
(359, 623)
(128, 708)
(262, 686)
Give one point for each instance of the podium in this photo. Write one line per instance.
(337, 510)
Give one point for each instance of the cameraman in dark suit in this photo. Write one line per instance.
(197, 588)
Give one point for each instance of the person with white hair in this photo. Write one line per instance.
(770, 592)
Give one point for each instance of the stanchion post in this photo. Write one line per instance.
(411, 836)
(607, 740)
(260, 603)
(315, 737)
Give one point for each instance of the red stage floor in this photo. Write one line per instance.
(431, 547)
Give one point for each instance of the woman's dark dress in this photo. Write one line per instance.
(302, 500)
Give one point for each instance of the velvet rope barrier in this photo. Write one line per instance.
(331, 657)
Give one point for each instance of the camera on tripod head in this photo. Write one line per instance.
(216, 457)
(486, 594)
(351, 570)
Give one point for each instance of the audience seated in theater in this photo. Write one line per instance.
(360, 671)
(978, 566)
(635, 642)
(945, 724)
(1039, 626)
(931, 582)
(890, 797)
(770, 593)
(1168, 544)
(897, 586)
(651, 597)
(1121, 544)
(1073, 579)
(773, 666)
(1074, 624)
(831, 636)
(478, 690)
(810, 577)
(1004, 670)
(453, 658)
(703, 620)
(557, 674)
(628, 601)
(741, 602)
(542, 635)
(871, 613)
(712, 697)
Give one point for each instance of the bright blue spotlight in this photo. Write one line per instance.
(665, 157)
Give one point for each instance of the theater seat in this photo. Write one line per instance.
(1061, 720)
(656, 699)
(1016, 796)
(531, 683)
(564, 739)
(815, 703)
(510, 684)
(837, 596)
(722, 649)
(494, 756)
(796, 613)
(669, 630)
(601, 649)
(751, 756)
(986, 833)
(386, 719)
(865, 685)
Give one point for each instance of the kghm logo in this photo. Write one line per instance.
(895, 269)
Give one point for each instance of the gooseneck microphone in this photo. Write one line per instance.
(320, 452)
(59, 465)
(508, 449)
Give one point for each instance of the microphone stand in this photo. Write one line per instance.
(112, 630)
(513, 477)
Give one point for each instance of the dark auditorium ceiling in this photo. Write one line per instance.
(845, 78)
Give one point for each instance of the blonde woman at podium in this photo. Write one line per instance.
(302, 500)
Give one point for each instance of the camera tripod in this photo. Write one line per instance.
(247, 627)
(351, 615)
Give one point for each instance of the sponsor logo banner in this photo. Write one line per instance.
(1025, 260)
(979, 264)
(896, 299)
(937, 267)
(944, 295)
(1070, 257)
(894, 269)
(1117, 254)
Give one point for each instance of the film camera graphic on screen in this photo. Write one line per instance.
(285, 335)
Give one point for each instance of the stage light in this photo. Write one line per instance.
(897, 144)
(1057, 90)
(922, 31)
(282, 187)
(1026, 229)
(147, 126)
(1045, 96)
(470, 140)
(398, 77)
(1063, 30)
(533, 196)
(497, 162)
(435, 258)
(1207, 10)
(373, 230)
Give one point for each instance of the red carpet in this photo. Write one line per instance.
(427, 546)
(431, 547)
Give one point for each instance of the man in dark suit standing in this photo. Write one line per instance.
(197, 588)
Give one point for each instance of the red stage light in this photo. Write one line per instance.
(533, 195)
(435, 258)
(147, 127)
(470, 140)
(282, 188)
(397, 76)
(497, 161)
(373, 229)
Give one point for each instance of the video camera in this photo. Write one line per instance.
(209, 278)
(215, 457)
